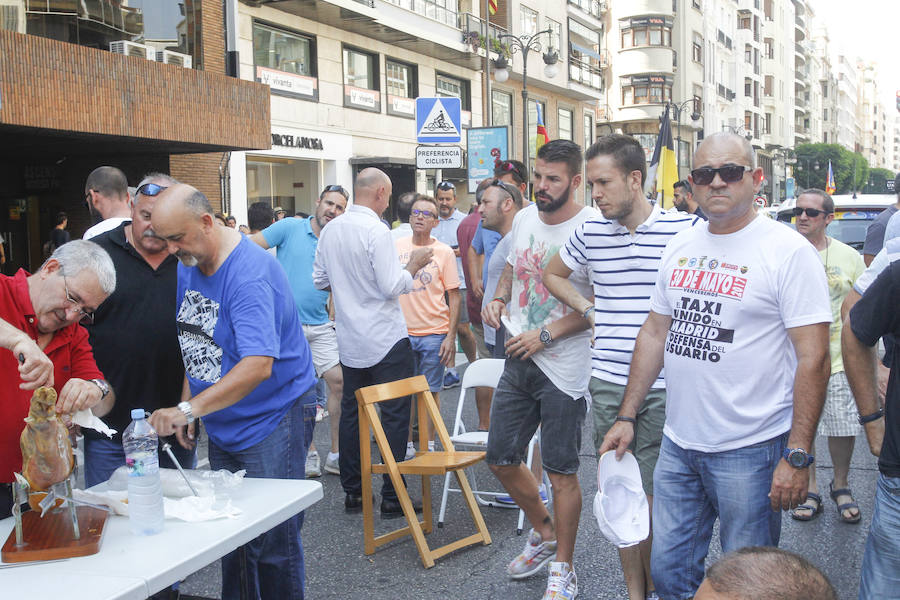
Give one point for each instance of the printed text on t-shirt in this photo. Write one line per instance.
(708, 282)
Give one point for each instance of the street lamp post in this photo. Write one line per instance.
(525, 44)
(807, 160)
(677, 109)
(787, 158)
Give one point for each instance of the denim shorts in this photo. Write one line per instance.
(427, 354)
(525, 398)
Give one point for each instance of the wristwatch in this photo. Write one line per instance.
(104, 387)
(798, 457)
(546, 338)
(588, 311)
(187, 410)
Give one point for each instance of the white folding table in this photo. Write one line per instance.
(134, 567)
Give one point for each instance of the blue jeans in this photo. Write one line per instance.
(274, 559)
(102, 457)
(691, 489)
(427, 352)
(880, 571)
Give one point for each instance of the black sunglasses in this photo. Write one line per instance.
(150, 189)
(336, 188)
(728, 173)
(501, 185)
(812, 213)
(446, 185)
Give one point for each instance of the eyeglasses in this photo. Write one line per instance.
(728, 173)
(446, 185)
(87, 318)
(336, 188)
(150, 189)
(812, 213)
(424, 213)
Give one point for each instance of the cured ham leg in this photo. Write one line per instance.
(46, 452)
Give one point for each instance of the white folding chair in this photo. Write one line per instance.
(485, 372)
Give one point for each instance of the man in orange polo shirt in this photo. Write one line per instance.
(43, 344)
(432, 324)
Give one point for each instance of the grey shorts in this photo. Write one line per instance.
(524, 399)
(606, 398)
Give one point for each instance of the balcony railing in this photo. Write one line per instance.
(473, 33)
(585, 73)
(595, 8)
(723, 39)
(429, 9)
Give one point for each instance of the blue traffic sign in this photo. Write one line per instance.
(438, 120)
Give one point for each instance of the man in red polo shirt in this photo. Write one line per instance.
(43, 345)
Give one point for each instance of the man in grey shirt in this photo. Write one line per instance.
(875, 233)
(499, 205)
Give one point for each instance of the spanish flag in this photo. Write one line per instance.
(541, 138)
(492, 7)
(663, 172)
(829, 181)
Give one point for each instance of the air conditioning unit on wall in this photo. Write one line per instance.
(129, 48)
(173, 58)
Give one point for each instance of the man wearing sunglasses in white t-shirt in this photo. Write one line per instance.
(739, 317)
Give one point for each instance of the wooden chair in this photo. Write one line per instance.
(424, 464)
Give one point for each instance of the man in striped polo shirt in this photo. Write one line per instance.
(620, 252)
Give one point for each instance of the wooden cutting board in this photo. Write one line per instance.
(51, 537)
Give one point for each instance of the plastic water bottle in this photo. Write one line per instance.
(145, 499)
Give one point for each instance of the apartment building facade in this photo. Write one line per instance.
(344, 76)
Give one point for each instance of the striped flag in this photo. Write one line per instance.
(663, 172)
(492, 7)
(829, 180)
(541, 136)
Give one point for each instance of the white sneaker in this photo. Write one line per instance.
(562, 583)
(536, 554)
(313, 468)
(332, 465)
(410, 451)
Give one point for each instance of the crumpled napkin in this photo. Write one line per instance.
(86, 418)
(191, 508)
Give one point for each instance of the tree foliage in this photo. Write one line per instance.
(851, 171)
(877, 183)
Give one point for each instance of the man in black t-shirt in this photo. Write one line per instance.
(134, 335)
(874, 316)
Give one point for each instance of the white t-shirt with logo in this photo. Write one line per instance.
(567, 361)
(729, 361)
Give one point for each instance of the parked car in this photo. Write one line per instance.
(852, 215)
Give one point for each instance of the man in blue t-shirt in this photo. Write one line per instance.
(248, 372)
(296, 241)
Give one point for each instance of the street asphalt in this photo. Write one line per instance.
(336, 566)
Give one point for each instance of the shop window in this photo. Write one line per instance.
(401, 87)
(564, 116)
(501, 108)
(361, 89)
(275, 180)
(588, 130)
(285, 61)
